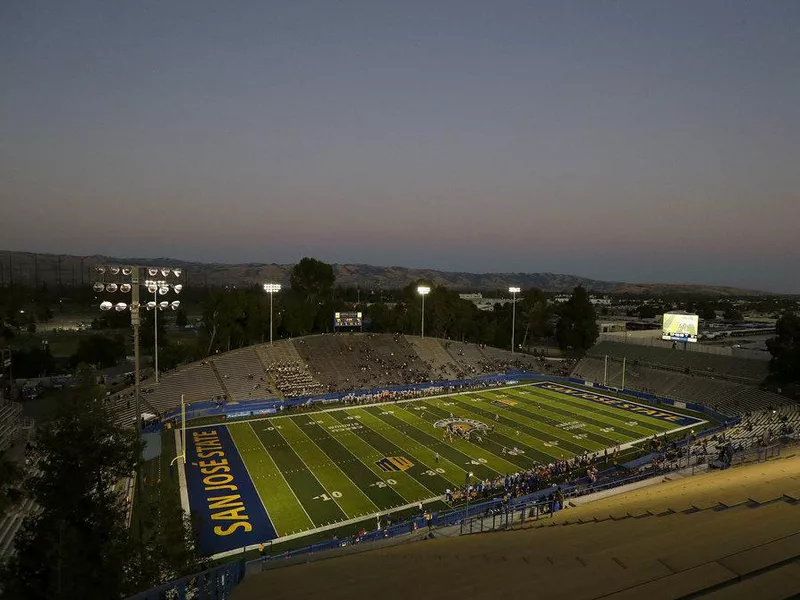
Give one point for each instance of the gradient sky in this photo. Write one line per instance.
(638, 141)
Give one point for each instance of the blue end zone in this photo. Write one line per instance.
(666, 416)
(229, 511)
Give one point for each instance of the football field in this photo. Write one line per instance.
(264, 479)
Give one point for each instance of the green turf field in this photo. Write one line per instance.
(318, 469)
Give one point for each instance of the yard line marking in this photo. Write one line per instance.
(253, 481)
(409, 452)
(333, 462)
(282, 475)
(278, 431)
(377, 452)
(512, 468)
(497, 473)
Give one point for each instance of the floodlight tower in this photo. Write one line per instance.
(127, 281)
(514, 291)
(160, 287)
(271, 288)
(423, 290)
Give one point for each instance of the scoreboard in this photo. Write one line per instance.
(347, 319)
(679, 327)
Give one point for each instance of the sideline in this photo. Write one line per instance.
(336, 525)
(184, 492)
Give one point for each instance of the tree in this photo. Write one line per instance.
(312, 279)
(169, 544)
(99, 350)
(648, 311)
(77, 545)
(577, 329)
(10, 477)
(706, 311)
(180, 318)
(732, 313)
(535, 312)
(785, 348)
(34, 362)
(147, 330)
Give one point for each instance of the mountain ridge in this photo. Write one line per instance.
(65, 269)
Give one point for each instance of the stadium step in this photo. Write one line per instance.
(219, 378)
(678, 585)
(775, 584)
(754, 559)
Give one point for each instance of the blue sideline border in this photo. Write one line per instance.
(222, 496)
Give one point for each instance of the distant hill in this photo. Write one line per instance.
(68, 270)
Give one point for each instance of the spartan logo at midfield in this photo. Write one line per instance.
(462, 426)
(394, 463)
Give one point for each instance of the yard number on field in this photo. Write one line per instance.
(325, 497)
(383, 484)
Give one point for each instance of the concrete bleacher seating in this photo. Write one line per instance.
(346, 361)
(243, 375)
(10, 419)
(722, 395)
(438, 362)
(10, 524)
(670, 540)
(287, 369)
(197, 382)
(664, 354)
(318, 364)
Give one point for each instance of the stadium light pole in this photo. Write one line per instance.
(162, 287)
(129, 276)
(271, 288)
(423, 290)
(514, 291)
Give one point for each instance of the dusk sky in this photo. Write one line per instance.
(636, 141)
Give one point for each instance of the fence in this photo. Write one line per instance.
(216, 583)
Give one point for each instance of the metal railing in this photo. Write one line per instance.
(216, 583)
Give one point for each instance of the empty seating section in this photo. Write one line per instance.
(724, 396)
(10, 415)
(728, 366)
(468, 359)
(243, 375)
(436, 360)
(361, 360)
(197, 382)
(693, 536)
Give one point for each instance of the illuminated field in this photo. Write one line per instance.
(252, 481)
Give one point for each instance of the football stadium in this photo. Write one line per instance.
(385, 453)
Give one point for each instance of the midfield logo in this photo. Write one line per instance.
(394, 463)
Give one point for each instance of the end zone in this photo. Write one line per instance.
(221, 493)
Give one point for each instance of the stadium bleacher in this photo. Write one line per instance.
(725, 366)
(346, 361)
(286, 368)
(10, 419)
(243, 375)
(725, 396)
(685, 537)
